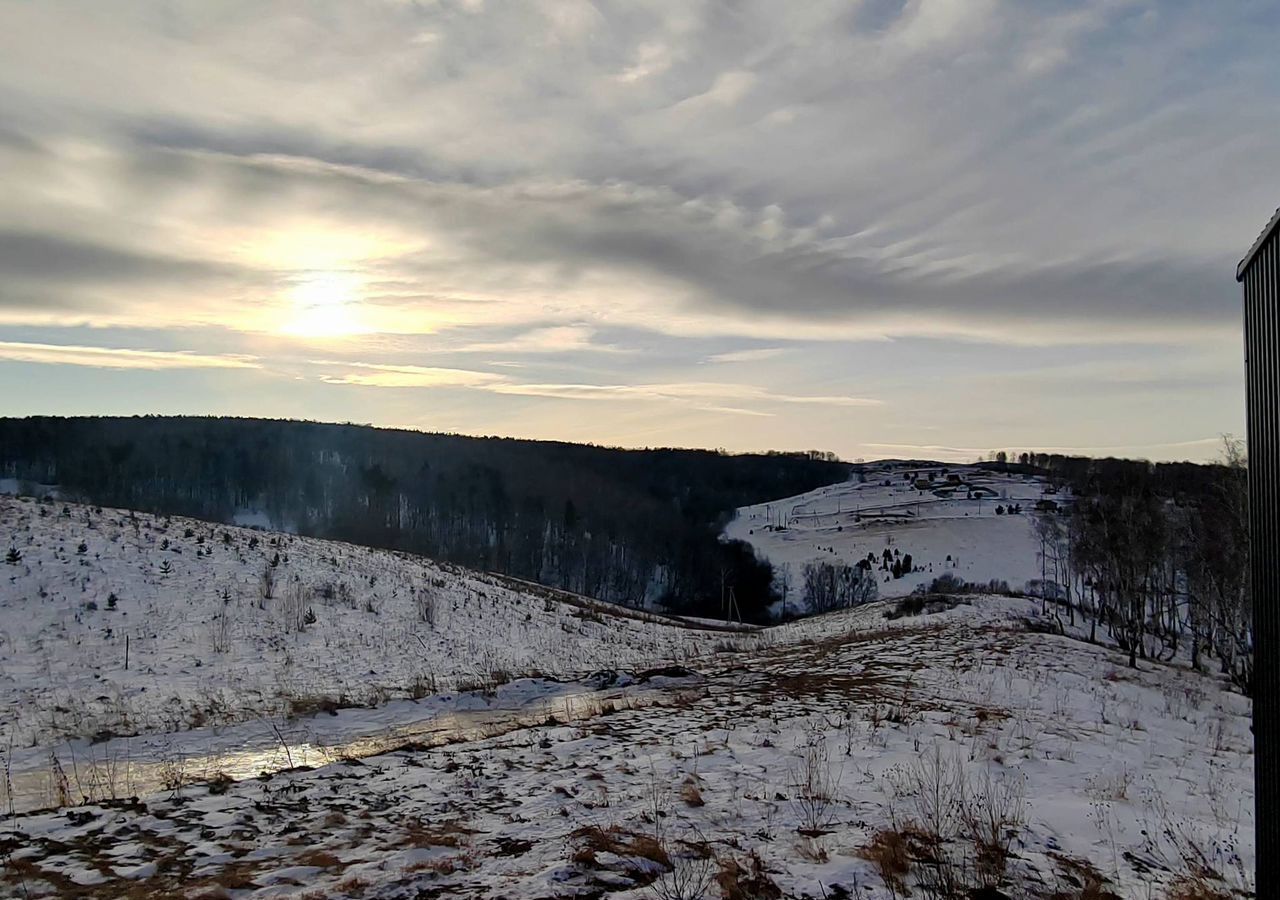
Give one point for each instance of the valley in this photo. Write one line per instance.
(384, 726)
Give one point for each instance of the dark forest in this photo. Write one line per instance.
(628, 526)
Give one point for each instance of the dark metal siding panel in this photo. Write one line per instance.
(1262, 348)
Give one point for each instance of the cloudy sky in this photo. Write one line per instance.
(932, 227)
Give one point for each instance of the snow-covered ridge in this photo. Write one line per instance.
(950, 519)
(220, 624)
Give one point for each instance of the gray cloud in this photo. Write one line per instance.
(820, 167)
(637, 172)
(27, 256)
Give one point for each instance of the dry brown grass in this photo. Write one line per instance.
(1197, 888)
(353, 885)
(690, 794)
(313, 704)
(444, 866)
(890, 852)
(443, 834)
(593, 839)
(1087, 883)
(812, 850)
(320, 859)
(746, 882)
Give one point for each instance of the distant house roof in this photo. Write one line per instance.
(1257, 245)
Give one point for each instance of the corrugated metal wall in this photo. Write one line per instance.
(1262, 364)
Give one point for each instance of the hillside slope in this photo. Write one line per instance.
(949, 526)
(857, 757)
(187, 604)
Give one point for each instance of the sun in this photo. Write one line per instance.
(325, 305)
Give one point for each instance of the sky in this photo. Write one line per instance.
(881, 228)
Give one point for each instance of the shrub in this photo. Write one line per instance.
(947, 584)
(815, 786)
(890, 853)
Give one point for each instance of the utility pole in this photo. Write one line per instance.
(723, 574)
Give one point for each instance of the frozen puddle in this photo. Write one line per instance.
(80, 772)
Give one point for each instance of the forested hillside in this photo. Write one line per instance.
(622, 525)
(1155, 554)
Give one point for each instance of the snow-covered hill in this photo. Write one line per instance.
(865, 753)
(943, 516)
(855, 754)
(118, 622)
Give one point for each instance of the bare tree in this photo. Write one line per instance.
(829, 586)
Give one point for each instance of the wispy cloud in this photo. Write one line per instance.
(725, 397)
(385, 376)
(699, 392)
(754, 355)
(119, 358)
(553, 339)
(670, 188)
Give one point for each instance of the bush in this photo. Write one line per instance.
(829, 586)
(947, 584)
(950, 584)
(956, 839)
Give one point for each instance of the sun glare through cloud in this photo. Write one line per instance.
(325, 305)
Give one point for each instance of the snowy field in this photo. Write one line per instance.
(803, 770)
(185, 603)
(384, 726)
(931, 512)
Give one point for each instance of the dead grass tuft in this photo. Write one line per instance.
(890, 852)
(353, 886)
(749, 882)
(627, 844)
(1197, 888)
(421, 835)
(320, 859)
(1086, 882)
